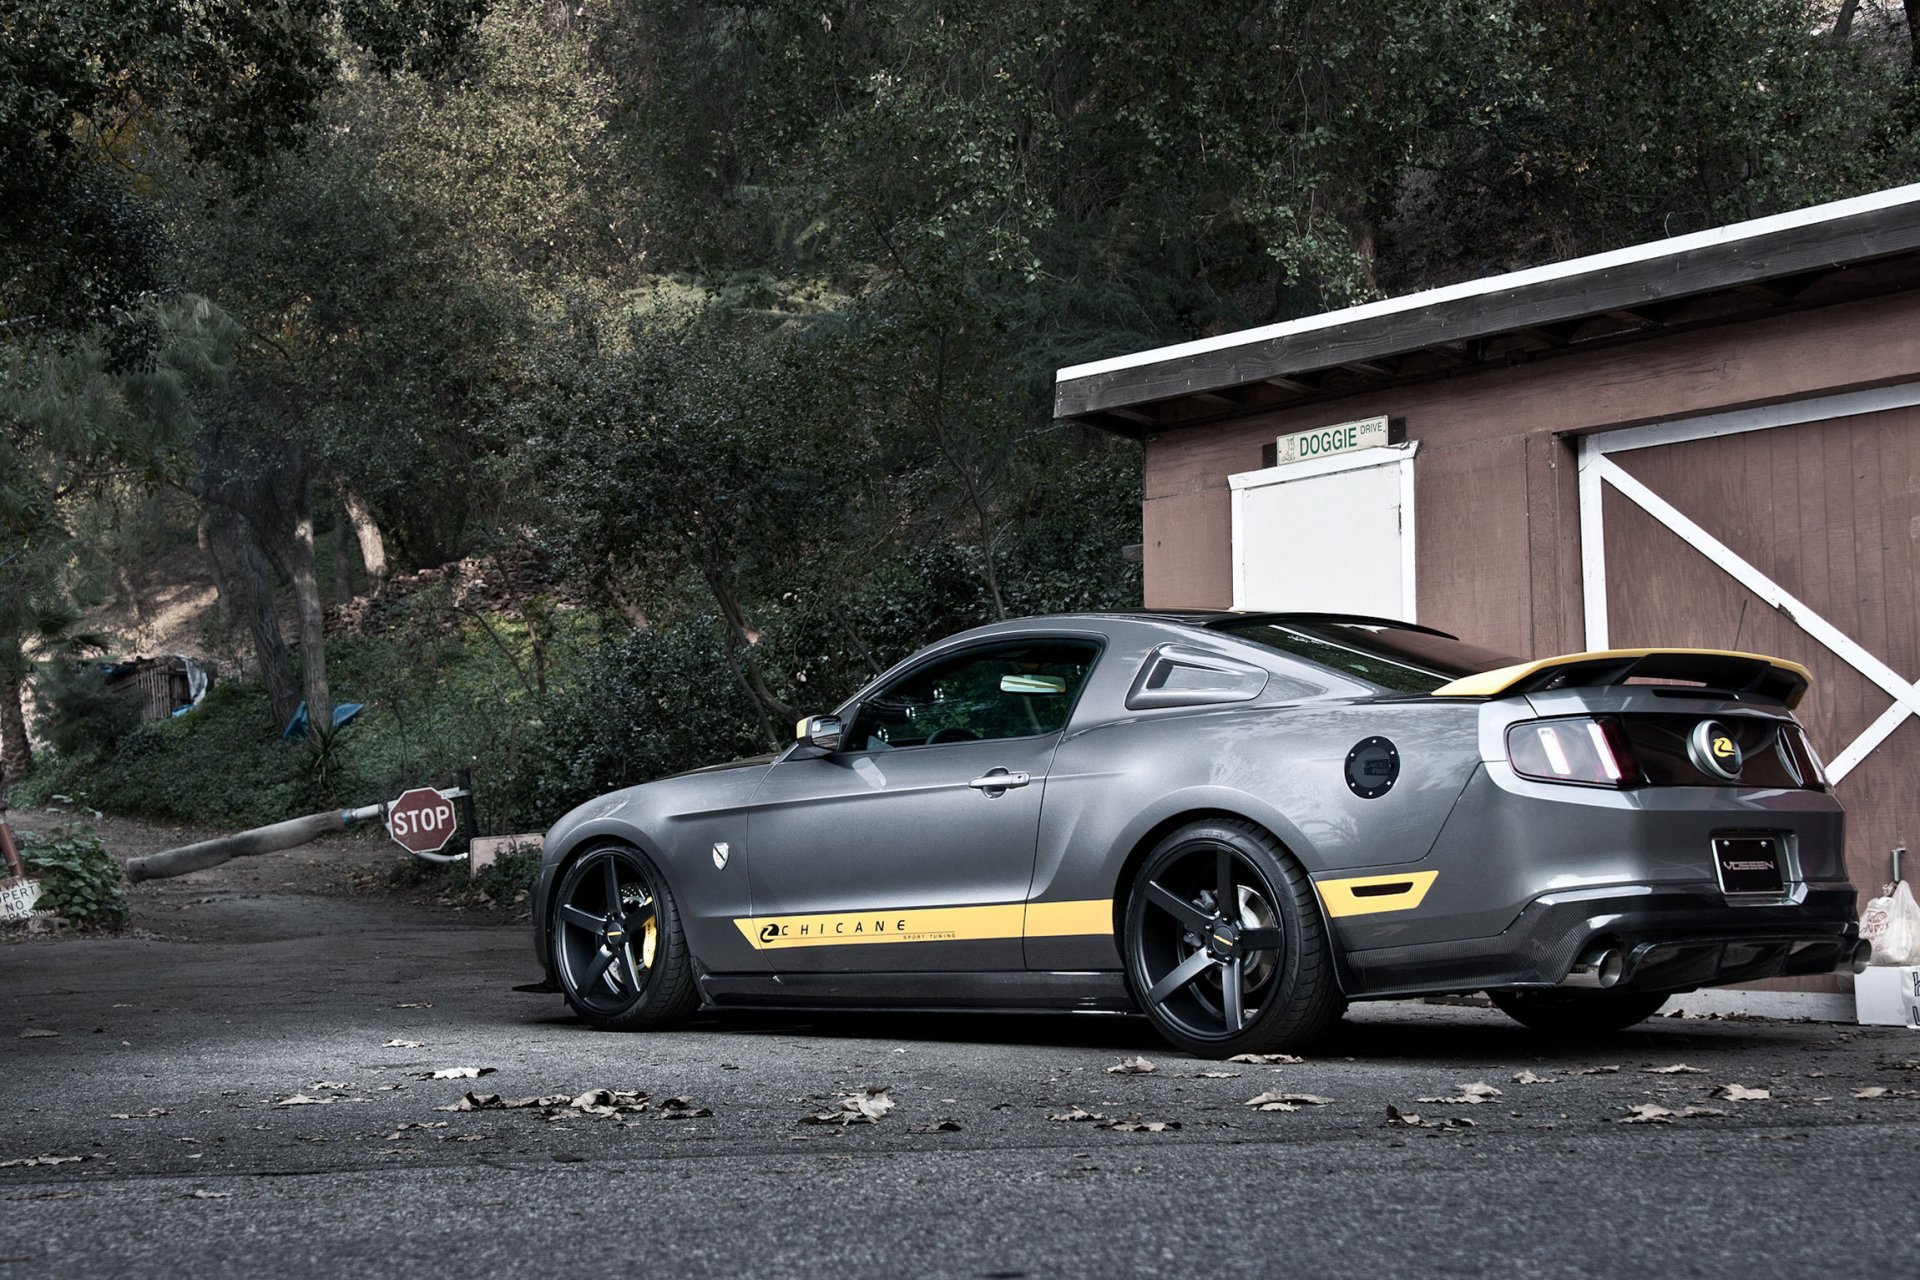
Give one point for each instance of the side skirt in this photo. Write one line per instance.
(1074, 992)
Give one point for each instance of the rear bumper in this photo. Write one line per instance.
(1673, 938)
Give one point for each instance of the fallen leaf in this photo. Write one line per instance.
(1740, 1093)
(605, 1102)
(1274, 1101)
(423, 1004)
(1594, 1071)
(1220, 1075)
(199, 1194)
(1871, 1091)
(1527, 1077)
(948, 1125)
(1654, 1113)
(1075, 1113)
(38, 1033)
(683, 1109)
(1267, 1059)
(1132, 1067)
(1470, 1094)
(335, 1085)
(33, 1162)
(405, 1125)
(458, 1073)
(1398, 1119)
(1677, 1069)
(302, 1100)
(148, 1114)
(863, 1107)
(404, 1044)
(1131, 1125)
(474, 1102)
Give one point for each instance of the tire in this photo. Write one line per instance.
(1575, 1013)
(1257, 980)
(616, 944)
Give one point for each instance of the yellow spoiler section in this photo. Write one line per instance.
(1756, 673)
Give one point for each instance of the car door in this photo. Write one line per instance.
(912, 847)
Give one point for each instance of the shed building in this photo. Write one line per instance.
(1711, 441)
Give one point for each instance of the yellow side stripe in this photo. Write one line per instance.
(1069, 919)
(1371, 895)
(929, 924)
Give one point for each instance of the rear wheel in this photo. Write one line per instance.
(1572, 1013)
(618, 950)
(1225, 949)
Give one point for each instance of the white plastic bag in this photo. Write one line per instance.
(1892, 924)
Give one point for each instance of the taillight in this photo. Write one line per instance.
(1590, 750)
(1806, 765)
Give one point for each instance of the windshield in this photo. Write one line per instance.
(1396, 658)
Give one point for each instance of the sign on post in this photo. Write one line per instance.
(1343, 437)
(421, 820)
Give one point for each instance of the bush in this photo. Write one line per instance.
(511, 875)
(78, 878)
(84, 718)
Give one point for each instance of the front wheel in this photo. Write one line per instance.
(1578, 1012)
(1225, 948)
(618, 950)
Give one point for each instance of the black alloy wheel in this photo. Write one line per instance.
(1225, 948)
(1579, 1012)
(617, 945)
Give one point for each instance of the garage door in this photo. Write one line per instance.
(1792, 530)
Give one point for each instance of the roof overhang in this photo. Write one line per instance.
(1809, 257)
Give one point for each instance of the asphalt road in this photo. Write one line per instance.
(175, 1054)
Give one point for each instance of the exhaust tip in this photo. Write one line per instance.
(1602, 968)
(1858, 961)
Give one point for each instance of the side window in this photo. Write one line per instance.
(1004, 691)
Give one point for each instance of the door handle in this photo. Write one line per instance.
(1000, 780)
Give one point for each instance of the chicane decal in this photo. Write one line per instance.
(929, 924)
(1370, 895)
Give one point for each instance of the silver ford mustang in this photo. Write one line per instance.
(1235, 823)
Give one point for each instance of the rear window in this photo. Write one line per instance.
(1397, 658)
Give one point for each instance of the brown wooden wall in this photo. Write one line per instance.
(1496, 504)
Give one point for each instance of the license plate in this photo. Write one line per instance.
(1748, 864)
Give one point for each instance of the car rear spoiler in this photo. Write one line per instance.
(1721, 669)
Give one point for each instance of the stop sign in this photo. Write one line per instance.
(421, 820)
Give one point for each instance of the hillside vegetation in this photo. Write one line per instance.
(726, 331)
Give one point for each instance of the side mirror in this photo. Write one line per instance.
(822, 733)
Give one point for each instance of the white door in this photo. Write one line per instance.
(1334, 535)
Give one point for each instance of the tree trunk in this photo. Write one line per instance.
(746, 669)
(302, 569)
(16, 753)
(342, 564)
(223, 589)
(1843, 24)
(1913, 38)
(235, 542)
(373, 547)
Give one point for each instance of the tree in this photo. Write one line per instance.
(79, 418)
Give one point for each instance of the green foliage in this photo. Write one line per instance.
(510, 877)
(78, 878)
(83, 717)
